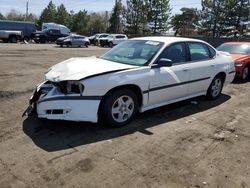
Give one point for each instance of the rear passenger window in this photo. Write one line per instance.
(175, 52)
(120, 37)
(198, 51)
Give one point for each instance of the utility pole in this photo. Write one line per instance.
(27, 10)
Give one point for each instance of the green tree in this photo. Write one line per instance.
(185, 23)
(135, 16)
(237, 11)
(62, 16)
(48, 14)
(115, 19)
(158, 15)
(212, 17)
(2, 17)
(80, 22)
(98, 23)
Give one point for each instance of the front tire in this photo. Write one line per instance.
(215, 88)
(119, 108)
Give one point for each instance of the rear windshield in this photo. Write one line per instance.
(235, 48)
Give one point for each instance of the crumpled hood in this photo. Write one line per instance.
(79, 68)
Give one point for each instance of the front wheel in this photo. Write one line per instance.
(214, 90)
(119, 108)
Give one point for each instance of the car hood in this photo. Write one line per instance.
(80, 68)
(240, 57)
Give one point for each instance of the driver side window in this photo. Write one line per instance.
(176, 53)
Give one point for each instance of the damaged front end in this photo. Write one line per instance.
(51, 89)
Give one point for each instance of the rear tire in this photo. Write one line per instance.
(13, 39)
(43, 40)
(215, 88)
(68, 44)
(119, 108)
(86, 44)
(111, 44)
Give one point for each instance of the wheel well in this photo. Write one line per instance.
(131, 87)
(222, 74)
(12, 36)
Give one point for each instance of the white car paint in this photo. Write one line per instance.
(158, 86)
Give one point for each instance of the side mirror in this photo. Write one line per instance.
(163, 63)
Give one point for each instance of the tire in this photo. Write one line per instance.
(111, 44)
(215, 88)
(245, 74)
(13, 39)
(119, 108)
(86, 44)
(68, 44)
(42, 40)
(61, 45)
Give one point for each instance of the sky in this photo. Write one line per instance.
(36, 6)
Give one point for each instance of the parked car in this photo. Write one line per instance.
(240, 51)
(27, 28)
(73, 40)
(112, 40)
(97, 38)
(62, 28)
(48, 35)
(11, 36)
(136, 75)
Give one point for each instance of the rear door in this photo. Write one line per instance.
(202, 67)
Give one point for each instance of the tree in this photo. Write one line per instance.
(98, 22)
(115, 19)
(135, 16)
(15, 15)
(158, 15)
(62, 16)
(2, 17)
(212, 17)
(185, 23)
(48, 14)
(80, 22)
(237, 11)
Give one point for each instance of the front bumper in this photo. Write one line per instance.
(48, 102)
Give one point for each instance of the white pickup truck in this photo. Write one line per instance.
(10, 36)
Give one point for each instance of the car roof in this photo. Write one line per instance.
(167, 39)
(247, 43)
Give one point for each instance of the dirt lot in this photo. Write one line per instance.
(182, 145)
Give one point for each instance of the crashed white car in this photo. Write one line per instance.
(137, 75)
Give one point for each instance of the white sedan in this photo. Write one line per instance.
(137, 75)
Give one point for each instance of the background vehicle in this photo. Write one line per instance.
(62, 28)
(112, 40)
(240, 51)
(73, 40)
(11, 36)
(48, 35)
(27, 28)
(137, 75)
(97, 38)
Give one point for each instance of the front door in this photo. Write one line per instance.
(170, 83)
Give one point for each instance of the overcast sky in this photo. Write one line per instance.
(36, 6)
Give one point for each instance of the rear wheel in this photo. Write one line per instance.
(42, 40)
(119, 108)
(111, 44)
(214, 90)
(13, 39)
(69, 44)
(245, 74)
(86, 44)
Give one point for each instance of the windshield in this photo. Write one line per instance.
(235, 48)
(133, 52)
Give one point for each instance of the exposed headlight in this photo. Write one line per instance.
(239, 64)
(71, 87)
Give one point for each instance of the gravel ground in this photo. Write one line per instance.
(195, 143)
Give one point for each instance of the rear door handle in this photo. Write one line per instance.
(213, 65)
(185, 69)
